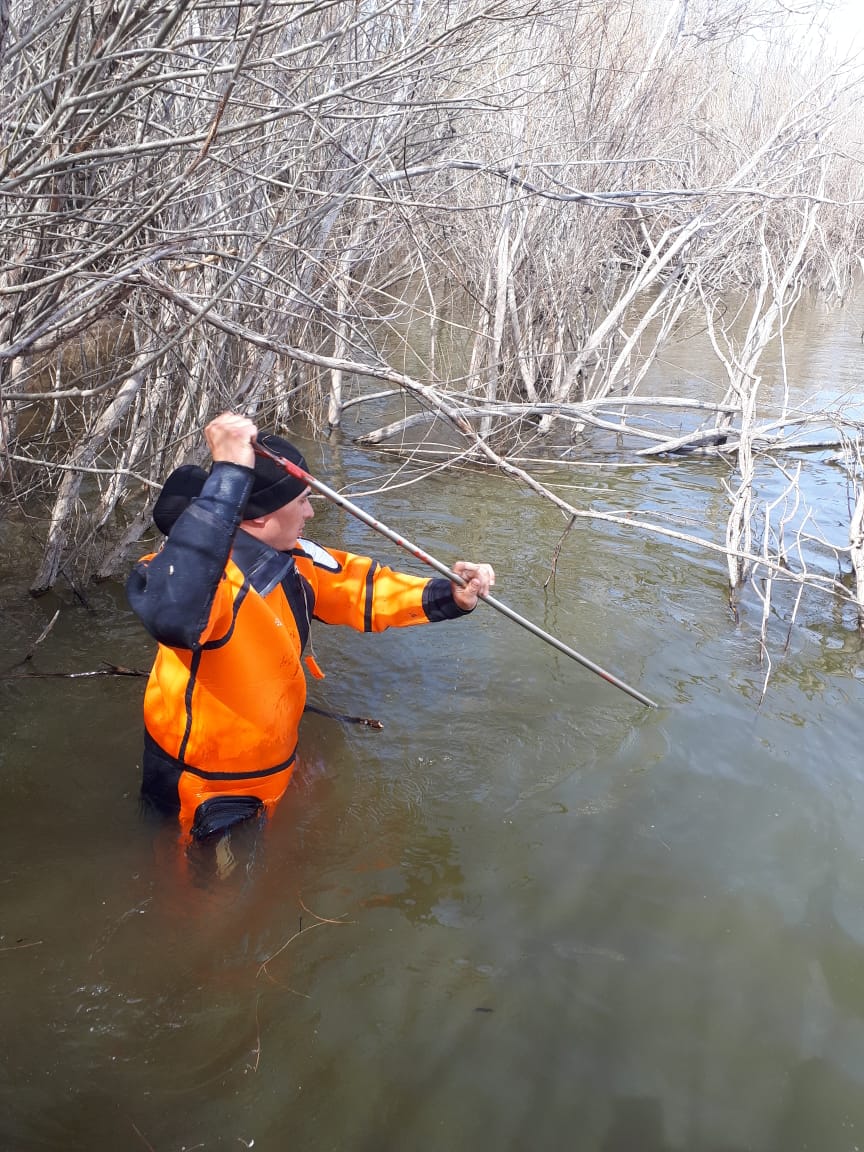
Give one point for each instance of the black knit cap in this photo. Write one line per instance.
(271, 488)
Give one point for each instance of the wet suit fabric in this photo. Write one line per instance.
(232, 616)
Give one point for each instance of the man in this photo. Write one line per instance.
(230, 597)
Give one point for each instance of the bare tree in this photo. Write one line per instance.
(498, 209)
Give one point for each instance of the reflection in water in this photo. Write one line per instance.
(426, 882)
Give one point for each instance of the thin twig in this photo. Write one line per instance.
(320, 922)
(39, 640)
(18, 947)
(142, 1137)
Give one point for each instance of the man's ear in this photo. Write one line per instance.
(255, 522)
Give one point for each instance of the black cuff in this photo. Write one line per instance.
(438, 602)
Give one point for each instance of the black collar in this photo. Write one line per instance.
(262, 565)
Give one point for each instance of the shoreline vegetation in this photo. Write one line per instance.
(478, 224)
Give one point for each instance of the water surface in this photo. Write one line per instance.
(529, 913)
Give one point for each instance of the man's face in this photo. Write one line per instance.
(281, 529)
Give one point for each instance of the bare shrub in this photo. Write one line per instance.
(494, 211)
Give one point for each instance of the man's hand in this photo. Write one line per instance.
(480, 579)
(230, 437)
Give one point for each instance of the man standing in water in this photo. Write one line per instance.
(230, 598)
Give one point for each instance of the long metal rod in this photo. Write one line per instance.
(354, 509)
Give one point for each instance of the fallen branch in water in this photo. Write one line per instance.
(368, 721)
(121, 670)
(39, 639)
(107, 670)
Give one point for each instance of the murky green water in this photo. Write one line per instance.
(528, 914)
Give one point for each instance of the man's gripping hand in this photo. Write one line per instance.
(230, 437)
(479, 579)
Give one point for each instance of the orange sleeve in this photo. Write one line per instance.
(361, 594)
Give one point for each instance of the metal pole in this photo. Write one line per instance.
(420, 554)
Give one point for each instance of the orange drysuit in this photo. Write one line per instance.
(232, 616)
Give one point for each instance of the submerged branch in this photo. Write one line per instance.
(106, 670)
